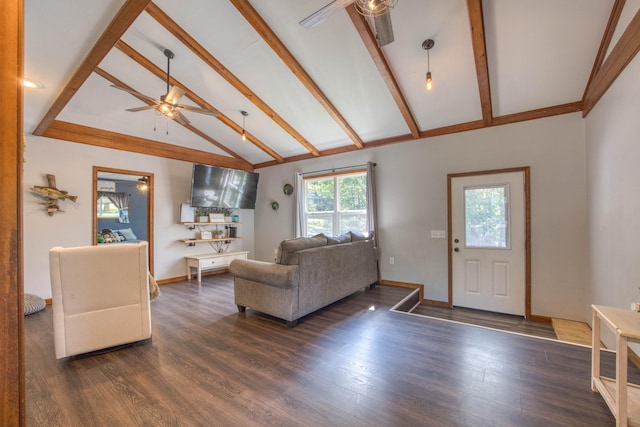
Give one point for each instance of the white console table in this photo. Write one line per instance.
(212, 261)
(622, 398)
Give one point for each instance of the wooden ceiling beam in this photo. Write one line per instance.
(185, 38)
(571, 107)
(190, 127)
(476, 21)
(117, 27)
(162, 74)
(622, 53)
(118, 141)
(614, 18)
(267, 34)
(369, 39)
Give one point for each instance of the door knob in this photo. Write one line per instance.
(456, 241)
(456, 249)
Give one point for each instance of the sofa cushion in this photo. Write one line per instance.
(361, 236)
(288, 249)
(343, 238)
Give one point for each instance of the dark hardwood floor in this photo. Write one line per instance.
(503, 322)
(355, 363)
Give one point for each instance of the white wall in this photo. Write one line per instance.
(72, 164)
(613, 151)
(412, 200)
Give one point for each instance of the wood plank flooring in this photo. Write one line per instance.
(355, 363)
(503, 322)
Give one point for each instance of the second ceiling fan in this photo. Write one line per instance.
(168, 105)
(378, 10)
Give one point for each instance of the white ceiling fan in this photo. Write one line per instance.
(378, 10)
(168, 105)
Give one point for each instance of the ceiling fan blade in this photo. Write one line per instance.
(384, 29)
(180, 118)
(322, 14)
(174, 95)
(146, 107)
(138, 94)
(197, 110)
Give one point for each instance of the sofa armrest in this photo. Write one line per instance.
(281, 276)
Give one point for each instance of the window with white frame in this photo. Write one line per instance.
(106, 208)
(334, 204)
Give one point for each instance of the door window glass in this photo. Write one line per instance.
(486, 217)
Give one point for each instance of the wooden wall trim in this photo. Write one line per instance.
(117, 141)
(12, 358)
(119, 24)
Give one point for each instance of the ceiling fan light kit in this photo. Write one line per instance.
(427, 45)
(374, 7)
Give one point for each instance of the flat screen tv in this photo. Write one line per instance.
(213, 186)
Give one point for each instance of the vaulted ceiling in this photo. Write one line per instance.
(312, 92)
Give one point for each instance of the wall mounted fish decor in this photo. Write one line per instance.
(51, 195)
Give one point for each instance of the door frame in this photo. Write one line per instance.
(527, 231)
(96, 171)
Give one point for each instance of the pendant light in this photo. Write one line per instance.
(244, 116)
(427, 45)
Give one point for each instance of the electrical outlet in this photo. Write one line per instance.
(392, 260)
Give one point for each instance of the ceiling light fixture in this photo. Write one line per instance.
(143, 184)
(427, 45)
(244, 115)
(32, 84)
(374, 7)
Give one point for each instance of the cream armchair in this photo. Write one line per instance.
(100, 297)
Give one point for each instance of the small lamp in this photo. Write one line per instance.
(244, 116)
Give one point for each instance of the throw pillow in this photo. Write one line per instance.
(361, 236)
(33, 304)
(288, 249)
(127, 233)
(343, 238)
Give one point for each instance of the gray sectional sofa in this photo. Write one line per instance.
(309, 273)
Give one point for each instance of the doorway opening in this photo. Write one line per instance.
(123, 203)
(489, 231)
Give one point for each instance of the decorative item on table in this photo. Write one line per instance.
(216, 217)
(235, 218)
(219, 234)
(205, 235)
(187, 212)
(202, 214)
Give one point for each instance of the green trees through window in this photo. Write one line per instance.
(486, 217)
(336, 204)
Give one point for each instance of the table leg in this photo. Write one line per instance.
(621, 380)
(188, 272)
(595, 350)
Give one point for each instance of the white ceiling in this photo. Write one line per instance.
(539, 55)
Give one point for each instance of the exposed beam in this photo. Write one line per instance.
(162, 74)
(572, 107)
(118, 141)
(119, 24)
(623, 52)
(290, 61)
(447, 130)
(476, 20)
(190, 127)
(185, 38)
(12, 341)
(614, 17)
(369, 39)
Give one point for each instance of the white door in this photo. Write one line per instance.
(488, 258)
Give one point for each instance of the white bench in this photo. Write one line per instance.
(213, 261)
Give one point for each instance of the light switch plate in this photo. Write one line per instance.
(438, 234)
